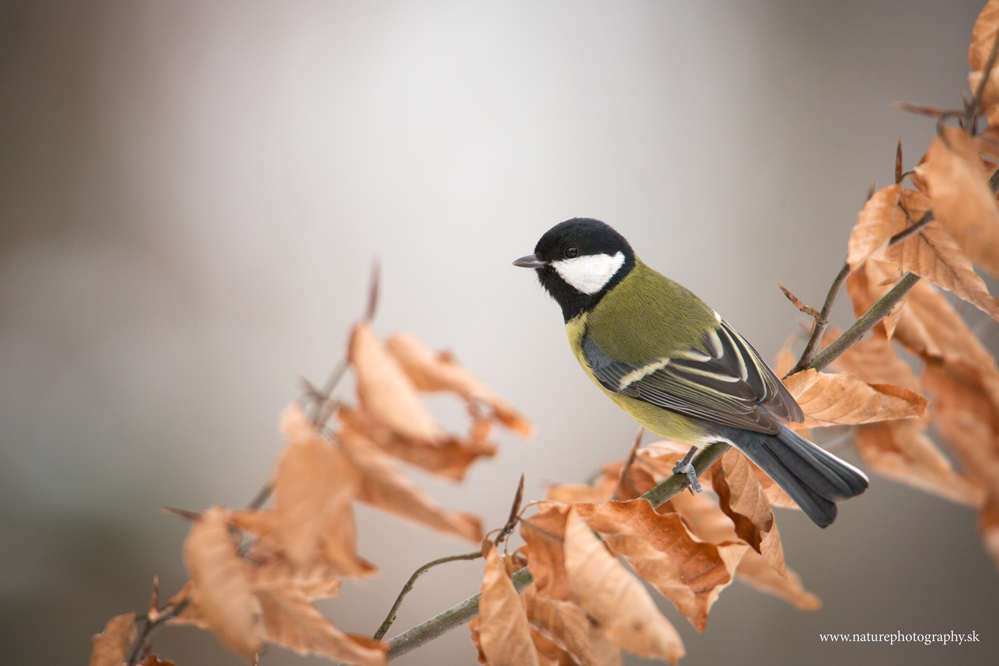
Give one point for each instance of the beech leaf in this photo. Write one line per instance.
(843, 398)
(386, 390)
(314, 480)
(384, 486)
(110, 647)
(960, 195)
(901, 451)
(439, 372)
(450, 457)
(742, 498)
(503, 631)
(223, 590)
(983, 35)
(563, 622)
(290, 620)
(543, 535)
(874, 225)
(661, 549)
(708, 522)
(616, 599)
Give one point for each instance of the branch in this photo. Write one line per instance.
(676, 484)
(151, 628)
(390, 618)
(866, 322)
(821, 322)
(448, 620)
(469, 608)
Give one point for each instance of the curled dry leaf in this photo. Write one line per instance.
(960, 195)
(386, 390)
(223, 594)
(153, 660)
(450, 457)
(314, 481)
(661, 549)
(562, 622)
(384, 486)
(708, 522)
(844, 399)
(874, 225)
(742, 498)
(614, 598)
(901, 450)
(110, 647)
(440, 372)
(268, 567)
(544, 534)
(290, 620)
(503, 631)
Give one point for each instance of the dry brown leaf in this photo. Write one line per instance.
(661, 549)
(290, 620)
(875, 361)
(874, 225)
(268, 567)
(386, 390)
(504, 633)
(983, 35)
(450, 457)
(544, 534)
(742, 498)
(614, 598)
(932, 253)
(901, 450)
(223, 590)
(440, 372)
(961, 198)
(110, 647)
(313, 481)
(846, 400)
(784, 360)
(754, 571)
(708, 522)
(384, 486)
(562, 622)
(153, 660)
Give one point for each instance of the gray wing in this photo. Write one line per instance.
(727, 385)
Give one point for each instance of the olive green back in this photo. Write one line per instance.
(647, 316)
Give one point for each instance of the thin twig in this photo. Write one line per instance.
(151, 628)
(511, 522)
(866, 322)
(821, 322)
(912, 230)
(390, 618)
(449, 619)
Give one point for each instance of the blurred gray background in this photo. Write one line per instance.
(192, 193)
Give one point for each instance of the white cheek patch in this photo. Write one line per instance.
(588, 274)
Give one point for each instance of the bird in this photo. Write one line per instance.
(672, 363)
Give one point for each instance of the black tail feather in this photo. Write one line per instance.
(814, 478)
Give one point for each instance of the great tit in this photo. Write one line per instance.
(662, 355)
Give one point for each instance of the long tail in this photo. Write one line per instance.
(814, 478)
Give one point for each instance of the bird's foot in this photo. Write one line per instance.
(684, 466)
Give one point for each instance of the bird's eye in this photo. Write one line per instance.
(571, 252)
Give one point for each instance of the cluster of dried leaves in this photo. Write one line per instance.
(255, 573)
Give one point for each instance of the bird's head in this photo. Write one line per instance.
(578, 261)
